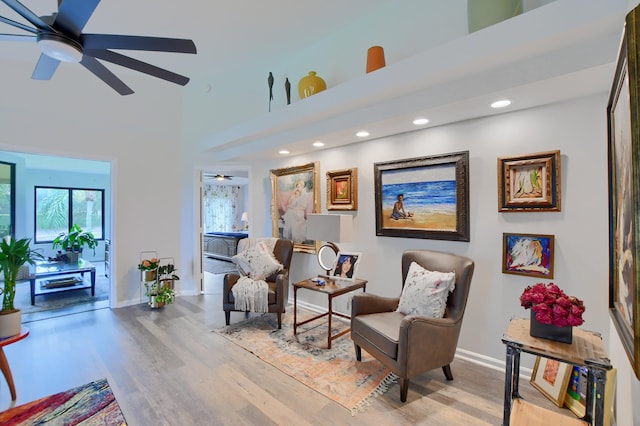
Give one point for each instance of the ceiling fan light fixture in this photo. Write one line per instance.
(59, 47)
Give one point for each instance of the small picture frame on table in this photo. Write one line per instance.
(346, 266)
(551, 378)
(342, 189)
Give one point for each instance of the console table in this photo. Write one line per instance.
(586, 350)
(332, 288)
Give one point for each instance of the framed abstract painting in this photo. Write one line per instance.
(624, 193)
(528, 254)
(423, 197)
(294, 195)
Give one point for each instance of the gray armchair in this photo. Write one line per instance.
(278, 283)
(409, 344)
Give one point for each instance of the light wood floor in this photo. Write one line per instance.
(166, 367)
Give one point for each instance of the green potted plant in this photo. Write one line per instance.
(13, 254)
(159, 295)
(74, 241)
(167, 275)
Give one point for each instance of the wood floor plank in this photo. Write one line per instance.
(167, 367)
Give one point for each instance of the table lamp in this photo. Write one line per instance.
(245, 219)
(332, 229)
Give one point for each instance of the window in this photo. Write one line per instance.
(7, 199)
(58, 209)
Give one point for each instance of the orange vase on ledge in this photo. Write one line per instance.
(375, 58)
(310, 85)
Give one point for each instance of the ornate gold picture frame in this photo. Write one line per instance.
(342, 189)
(529, 182)
(295, 193)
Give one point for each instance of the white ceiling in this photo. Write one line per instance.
(558, 51)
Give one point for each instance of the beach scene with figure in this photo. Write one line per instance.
(422, 198)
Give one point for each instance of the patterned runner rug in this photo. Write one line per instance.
(332, 372)
(92, 404)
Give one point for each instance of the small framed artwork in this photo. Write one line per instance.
(528, 254)
(423, 197)
(529, 182)
(576, 397)
(295, 193)
(346, 266)
(342, 189)
(551, 377)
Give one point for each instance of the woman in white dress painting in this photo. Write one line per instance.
(295, 221)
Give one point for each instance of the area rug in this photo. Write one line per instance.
(217, 266)
(334, 372)
(92, 404)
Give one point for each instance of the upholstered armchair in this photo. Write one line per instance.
(278, 282)
(411, 344)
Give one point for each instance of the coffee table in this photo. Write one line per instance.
(43, 269)
(332, 288)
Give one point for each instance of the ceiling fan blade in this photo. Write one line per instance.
(137, 65)
(21, 10)
(74, 14)
(45, 68)
(16, 37)
(105, 75)
(18, 25)
(129, 42)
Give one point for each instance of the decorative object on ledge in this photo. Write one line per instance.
(484, 13)
(295, 194)
(553, 313)
(375, 58)
(528, 254)
(438, 207)
(623, 148)
(342, 189)
(270, 83)
(287, 89)
(310, 85)
(529, 182)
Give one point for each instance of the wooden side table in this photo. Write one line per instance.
(332, 288)
(4, 363)
(586, 350)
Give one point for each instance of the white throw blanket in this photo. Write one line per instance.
(251, 295)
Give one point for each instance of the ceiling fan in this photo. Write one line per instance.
(60, 38)
(222, 177)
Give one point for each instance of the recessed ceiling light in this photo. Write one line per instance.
(501, 103)
(362, 134)
(420, 121)
(283, 152)
(318, 144)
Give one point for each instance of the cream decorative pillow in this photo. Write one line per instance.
(256, 262)
(425, 292)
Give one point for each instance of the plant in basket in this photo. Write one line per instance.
(550, 306)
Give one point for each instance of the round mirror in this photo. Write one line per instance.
(327, 256)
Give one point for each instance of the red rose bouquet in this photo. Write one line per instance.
(552, 306)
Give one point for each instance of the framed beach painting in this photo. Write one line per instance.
(294, 195)
(624, 193)
(528, 254)
(529, 182)
(346, 266)
(342, 189)
(423, 197)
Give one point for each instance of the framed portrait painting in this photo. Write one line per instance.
(342, 189)
(528, 254)
(529, 182)
(624, 193)
(294, 195)
(346, 266)
(423, 197)
(551, 378)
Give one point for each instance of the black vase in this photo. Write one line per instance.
(550, 331)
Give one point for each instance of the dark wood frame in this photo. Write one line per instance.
(624, 193)
(549, 163)
(350, 200)
(460, 162)
(506, 267)
(310, 171)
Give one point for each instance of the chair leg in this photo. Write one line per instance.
(404, 388)
(358, 352)
(227, 317)
(279, 320)
(246, 315)
(447, 372)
